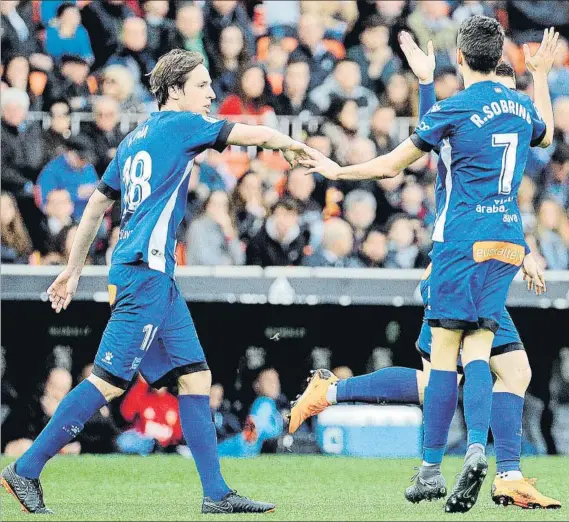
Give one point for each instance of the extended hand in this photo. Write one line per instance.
(534, 275)
(422, 65)
(542, 60)
(62, 290)
(296, 152)
(321, 164)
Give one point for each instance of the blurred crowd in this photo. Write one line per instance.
(333, 66)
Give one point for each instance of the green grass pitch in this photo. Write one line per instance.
(303, 487)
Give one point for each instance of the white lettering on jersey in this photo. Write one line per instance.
(497, 109)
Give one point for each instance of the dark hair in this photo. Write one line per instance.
(58, 101)
(561, 153)
(481, 40)
(172, 70)
(505, 70)
(288, 203)
(444, 71)
(64, 7)
(374, 21)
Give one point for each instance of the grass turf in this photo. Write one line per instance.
(303, 487)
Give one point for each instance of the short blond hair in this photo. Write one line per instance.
(172, 70)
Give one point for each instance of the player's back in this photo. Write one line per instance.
(484, 134)
(151, 169)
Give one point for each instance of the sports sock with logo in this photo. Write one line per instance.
(199, 432)
(506, 424)
(393, 384)
(76, 408)
(441, 397)
(477, 396)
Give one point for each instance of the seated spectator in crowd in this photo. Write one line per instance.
(48, 10)
(557, 176)
(59, 130)
(280, 242)
(250, 211)
(160, 29)
(26, 421)
(311, 49)
(338, 16)
(446, 83)
(403, 250)
(58, 252)
(219, 14)
(188, 33)
(526, 203)
(336, 247)
(252, 98)
(412, 202)
(235, 58)
(59, 212)
(281, 18)
(133, 55)
(382, 126)
(213, 238)
(17, 36)
(301, 187)
(118, 84)
(15, 240)
(374, 56)
(548, 234)
(398, 95)
(359, 210)
(70, 171)
(104, 21)
(294, 99)
(226, 423)
(561, 119)
(342, 127)
(104, 133)
(155, 419)
(17, 74)
(274, 65)
(345, 84)
(265, 419)
(373, 250)
(558, 77)
(66, 35)
(431, 21)
(72, 84)
(472, 8)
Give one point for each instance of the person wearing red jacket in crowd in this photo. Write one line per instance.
(155, 418)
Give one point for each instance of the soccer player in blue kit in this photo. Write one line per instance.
(483, 134)
(150, 329)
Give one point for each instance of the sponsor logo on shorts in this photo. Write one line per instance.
(505, 252)
(108, 358)
(135, 363)
(112, 294)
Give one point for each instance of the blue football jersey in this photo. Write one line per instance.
(483, 135)
(150, 172)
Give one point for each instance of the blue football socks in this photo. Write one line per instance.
(393, 384)
(199, 432)
(477, 395)
(506, 424)
(441, 397)
(76, 408)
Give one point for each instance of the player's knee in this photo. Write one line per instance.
(520, 379)
(108, 390)
(196, 383)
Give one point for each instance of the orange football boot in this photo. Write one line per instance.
(521, 493)
(313, 400)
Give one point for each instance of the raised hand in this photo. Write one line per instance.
(422, 65)
(62, 290)
(542, 61)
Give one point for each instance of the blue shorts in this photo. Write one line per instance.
(150, 330)
(506, 339)
(469, 283)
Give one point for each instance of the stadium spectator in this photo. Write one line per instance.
(558, 77)
(59, 249)
(338, 16)
(17, 34)
(398, 95)
(161, 30)
(345, 84)
(548, 234)
(557, 176)
(312, 50)
(374, 56)
(59, 212)
(359, 210)
(526, 203)
(118, 84)
(104, 133)
(413, 201)
(59, 131)
(133, 55)
(471, 8)
(219, 14)
(403, 250)
(104, 21)
(280, 242)
(213, 238)
(561, 119)
(274, 65)
(71, 171)
(48, 10)
(301, 187)
(18, 75)
(341, 126)
(336, 247)
(188, 33)
(26, 421)
(72, 82)
(446, 83)
(66, 35)
(373, 250)
(294, 99)
(382, 125)
(250, 211)
(281, 18)
(252, 98)
(155, 419)
(226, 423)
(15, 240)
(234, 57)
